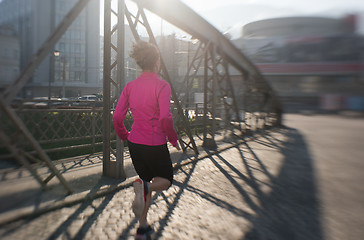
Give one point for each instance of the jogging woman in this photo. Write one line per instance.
(148, 98)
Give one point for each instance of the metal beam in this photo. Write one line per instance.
(106, 123)
(120, 172)
(113, 168)
(183, 17)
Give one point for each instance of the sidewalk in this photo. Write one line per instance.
(291, 183)
(21, 196)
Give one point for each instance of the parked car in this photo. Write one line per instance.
(41, 102)
(86, 100)
(36, 102)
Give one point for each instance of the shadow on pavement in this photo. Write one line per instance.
(291, 210)
(171, 202)
(288, 211)
(87, 224)
(172, 205)
(97, 209)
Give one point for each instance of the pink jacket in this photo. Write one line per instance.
(148, 98)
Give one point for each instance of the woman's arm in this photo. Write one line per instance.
(165, 118)
(119, 116)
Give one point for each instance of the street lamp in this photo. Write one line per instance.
(63, 60)
(187, 92)
(56, 53)
(51, 76)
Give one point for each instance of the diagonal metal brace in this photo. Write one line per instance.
(33, 142)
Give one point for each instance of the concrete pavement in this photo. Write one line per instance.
(303, 181)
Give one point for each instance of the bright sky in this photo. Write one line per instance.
(308, 6)
(245, 11)
(231, 15)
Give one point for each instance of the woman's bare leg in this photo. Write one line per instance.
(157, 184)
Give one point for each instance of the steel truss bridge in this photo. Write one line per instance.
(213, 60)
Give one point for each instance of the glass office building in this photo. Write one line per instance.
(76, 69)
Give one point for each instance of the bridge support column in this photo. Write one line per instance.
(113, 167)
(210, 98)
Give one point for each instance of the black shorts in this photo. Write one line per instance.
(151, 161)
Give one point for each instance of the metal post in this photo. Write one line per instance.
(187, 82)
(120, 173)
(210, 97)
(106, 90)
(205, 96)
(213, 89)
(113, 167)
(64, 77)
(93, 126)
(63, 60)
(51, 59)
(51, 76)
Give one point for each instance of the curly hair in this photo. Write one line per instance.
(145, 54)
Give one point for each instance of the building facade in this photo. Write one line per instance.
(9, 56)
(309, 59)
(76, 69)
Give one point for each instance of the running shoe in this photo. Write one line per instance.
(144, 233)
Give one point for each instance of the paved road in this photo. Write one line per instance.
(304, 181)
(336, 146)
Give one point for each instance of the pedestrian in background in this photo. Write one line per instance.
(148, 98)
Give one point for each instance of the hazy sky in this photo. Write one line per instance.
(230, 15)
(308, 6)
